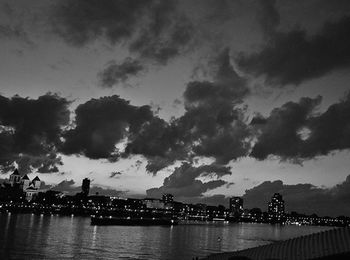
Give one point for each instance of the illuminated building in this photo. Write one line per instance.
(154, 203)
(276, 207)
(236, 205)
(168, 198)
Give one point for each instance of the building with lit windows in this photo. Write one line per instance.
(276, 208)
(154, 203)
(168, 198)
(236, 205)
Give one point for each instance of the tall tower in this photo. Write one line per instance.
(236, 205)
(85, 187)
(15, 177)
(276, 206)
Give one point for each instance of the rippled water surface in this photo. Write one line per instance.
(26, 236)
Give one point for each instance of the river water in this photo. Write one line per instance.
(27, 236)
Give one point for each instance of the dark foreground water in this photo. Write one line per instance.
(26, 236)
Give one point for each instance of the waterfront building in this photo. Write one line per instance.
(22, 185)
(154, 203)
(33, 189)
(168, 198)
(276, 208)
(85, 187)
(31, 192)
(236, 205)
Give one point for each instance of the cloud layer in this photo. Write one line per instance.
(213, 127)
(183, 181)
(294, 57)
(70, 187)
(30, 131)
(296, 132)
(115, 73)
(102, 123)
(303, 198)
(154, 30)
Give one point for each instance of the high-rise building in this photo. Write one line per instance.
(85, 187)
(236, 205)
(276, 206)
(168, 198)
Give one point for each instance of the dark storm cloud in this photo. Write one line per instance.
(183, 183)
(212, 125)
(154, 29)
(269, 17)
(213, 122)
(159, 141)
(82, 21)
(303, 198)
(12, 28)
(115, 73)
(30, 131)
(69, 187)
(162, 43)
(46, 163)
(281, 134)
(218, 10)
(157, 163)
(329, 131)
(293, 57)
(101, 124)
(115, 174)
(7, 31)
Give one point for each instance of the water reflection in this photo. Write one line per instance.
(93, 240)
(57, 237)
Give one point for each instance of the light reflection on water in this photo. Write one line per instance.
(30, 236)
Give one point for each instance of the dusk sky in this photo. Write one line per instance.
(204, 99)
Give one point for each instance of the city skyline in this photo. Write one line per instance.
(19, 188)
(204, 100)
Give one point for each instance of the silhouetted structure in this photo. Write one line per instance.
(85, 187)
(20, 186)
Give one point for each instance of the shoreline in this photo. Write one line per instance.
(180, 221)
